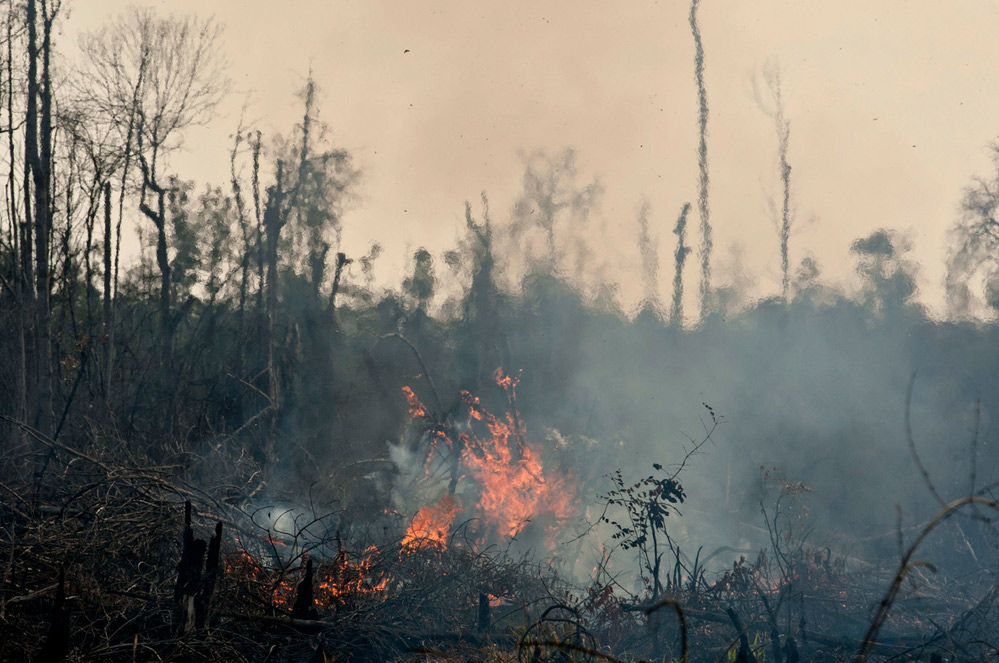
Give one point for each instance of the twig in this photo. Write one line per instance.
(906, 565)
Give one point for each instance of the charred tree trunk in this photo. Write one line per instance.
(194, 589)
(167, 375)
(56, 644)
(212, 572)
(341, 261)
(69, 278)
(305, 600)
(93, 209)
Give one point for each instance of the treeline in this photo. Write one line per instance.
(190, 341)
(244, 326)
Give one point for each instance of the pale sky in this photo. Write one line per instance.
(891, 105)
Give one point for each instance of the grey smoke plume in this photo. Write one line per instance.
(702, 162)
(650, 257)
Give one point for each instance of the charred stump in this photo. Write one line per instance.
(745, 653)
(484, 619)
(195, 587)
(204, 599)
(57, 641)
(305, 599)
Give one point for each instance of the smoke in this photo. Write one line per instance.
(810, 385)
(814, 387)
(816, 391)
(702, 162)
(650, 257)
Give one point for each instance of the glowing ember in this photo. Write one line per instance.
(432, 524)
(346, 576)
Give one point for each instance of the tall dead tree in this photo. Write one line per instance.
(106, 307)
(676, 313)
(702, 162)
(261, 248)
(771, 102)
(20, 241)
(38, 181)
(275, 217)
(246, 234)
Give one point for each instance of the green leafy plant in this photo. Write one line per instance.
(646, 504)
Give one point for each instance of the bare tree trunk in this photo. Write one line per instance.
(771, 102)
(18, 232)
(111, 292)
(69, 280)
(158, 217)
(676, 314)
(108, 320)
(244, 262)
(260, 227)
(163, 262)
(274, 220)
(28, 320)
(702, 162)
(38, 151)
(93, 209)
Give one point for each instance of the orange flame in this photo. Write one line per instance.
(431, 524)
(336, 580)
(416, 408)
(345, 577)
(514, 487)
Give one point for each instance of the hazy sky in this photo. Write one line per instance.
(891, 104)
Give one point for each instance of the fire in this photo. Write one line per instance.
(431, 524)
(509, 470)
(513, 484)
(345, 578)
(337, 580)
(416, 408)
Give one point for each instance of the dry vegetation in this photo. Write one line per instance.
(95, 571)
(240, 448)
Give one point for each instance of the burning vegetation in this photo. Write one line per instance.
(443, 583)
(247, 448)
(508, 483)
